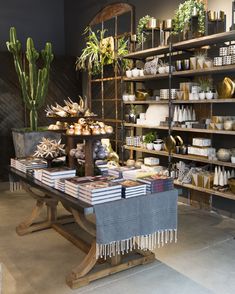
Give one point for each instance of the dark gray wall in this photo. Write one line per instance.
(79, 13)
(43, 20)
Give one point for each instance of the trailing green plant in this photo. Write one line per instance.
(205, 83)
(97, 52)
(122, 51)
(184, 13)
(34, 82)
(150, 137)
(141, 27)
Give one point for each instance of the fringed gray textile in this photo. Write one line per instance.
(145, 222)
(15, 185)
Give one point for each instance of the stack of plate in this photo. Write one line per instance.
(164, 94)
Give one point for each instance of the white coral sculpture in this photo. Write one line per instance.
(49, 149)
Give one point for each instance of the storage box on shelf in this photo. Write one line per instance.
(203, 108)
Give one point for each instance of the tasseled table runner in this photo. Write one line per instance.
(144, 222)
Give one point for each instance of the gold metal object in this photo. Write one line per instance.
(226, 88)
(170, 143)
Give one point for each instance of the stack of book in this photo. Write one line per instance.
(97, 192)
(132, 188)
(38, 174)
(118, 172)
(49, 175)
(156, 184)
(137, 174)
(60, 184)
(72, 185)
(25, 164)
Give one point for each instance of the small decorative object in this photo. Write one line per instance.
(193, 63)
(186, 64)
(129, 73)
(135, 72)
(224, 155)
(216, 179)
(218, 61)
(157, 145)
(226, 88)
(130, 162)
(133, 114)
(142, 94)
(170, 143)
(228, 125)
(142, 25)
(184, 14)
(49, 150)
(178, 65)
(152, 23)
(148, 140)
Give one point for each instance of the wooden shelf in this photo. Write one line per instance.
(148, 53)
(206, 40)
(185, 73)
(144, 126)
(146, 78)
(181, 156)
(149, 102)
(184, 45)
(205, 71)
(212, 101)
(228, 195)
(222, 132)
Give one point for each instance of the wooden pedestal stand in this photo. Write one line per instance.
(90, 268)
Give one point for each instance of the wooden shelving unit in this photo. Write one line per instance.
(212, 101)
(185, 73)
(178, 129)
(169, 51)
(181, 156)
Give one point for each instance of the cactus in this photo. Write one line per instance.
(34, 82)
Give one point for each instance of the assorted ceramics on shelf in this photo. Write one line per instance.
(220, 180)
(184, 116)
(71, 109)
(199, 61)
(84, 126)
(88, 127)
(226, 56)
(148, 141)
(226, 123)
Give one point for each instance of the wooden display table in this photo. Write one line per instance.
(90, 268)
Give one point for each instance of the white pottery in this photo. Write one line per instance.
(141, 72)
(175, 116)
(157, 146)
(149, 146)
(195, 96)
(131, 97)
(185, 118)
(216, 178)
(180, 115)
(225, 179)
(228, 125)
(202, 95)
(221, 179)
(209, 95)
(191, 96)
(135, 72)
(129, 73)
(156, 113)
(194, 115)
(224, 155)
(162, 70)
(125, 97)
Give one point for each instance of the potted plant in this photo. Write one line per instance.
(142, 25)
(206, 86)
(34, 86)
(99, 51)
(149, 138)
(184, 13)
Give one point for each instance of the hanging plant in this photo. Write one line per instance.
(121, 52)
(99, 51)
(184, 13)
(141, 27)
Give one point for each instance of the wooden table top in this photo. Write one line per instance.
(69, 200)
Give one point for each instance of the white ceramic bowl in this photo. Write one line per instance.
(125, 97)
(202, 96)
(162, 70)
(157, 146)
(131, 97)
(129, 74)
(135, 72)
(209, 95)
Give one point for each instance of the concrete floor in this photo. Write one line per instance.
(201, 262)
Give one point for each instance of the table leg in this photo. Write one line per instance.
(89, 162)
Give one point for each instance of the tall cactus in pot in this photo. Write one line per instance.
(34, 81)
